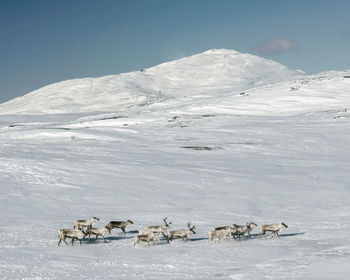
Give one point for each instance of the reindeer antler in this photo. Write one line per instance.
(189, 224)
(165, 222)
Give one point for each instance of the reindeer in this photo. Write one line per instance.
(275, 228)
(120, 224)
(220, 233)
(99, 231)
(243, 230)
(70, 233)
(156, 229)
(145, 238)
(85, 223)
(181, 233)
(223, 227)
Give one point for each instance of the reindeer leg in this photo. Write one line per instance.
(264, 233)
(123, 230)
(104, 238)
(65, 241)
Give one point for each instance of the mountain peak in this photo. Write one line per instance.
(216, 70)
(221, 51)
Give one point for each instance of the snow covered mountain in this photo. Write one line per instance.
(221, 138)
(214, 71)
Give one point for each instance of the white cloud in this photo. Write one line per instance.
(277, 46)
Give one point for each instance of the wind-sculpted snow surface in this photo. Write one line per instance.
(269, 154)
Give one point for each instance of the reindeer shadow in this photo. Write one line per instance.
(186, 240)
(133, 232)
(114, 238)
(291, 234)
(128, 232)
(196, 239)
(95, 241)
(271, 235)
(108, 239)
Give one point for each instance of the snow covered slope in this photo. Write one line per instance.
(198, 75)
(275, 150)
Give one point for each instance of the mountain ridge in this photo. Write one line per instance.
(216, 70)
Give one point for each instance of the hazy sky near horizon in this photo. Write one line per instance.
(42, 42)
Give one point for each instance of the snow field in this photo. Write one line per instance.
(268, 150)
(260, 173)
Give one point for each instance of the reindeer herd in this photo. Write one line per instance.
(153, 233)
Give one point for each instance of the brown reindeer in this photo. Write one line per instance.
(120, 224)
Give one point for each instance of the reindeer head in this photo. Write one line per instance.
(95, 219)
(108, 228)
(82, 233)
(166, 224)
(233, 229)
(252, 225)
(191, 228)
(129, 222)
(284, 225)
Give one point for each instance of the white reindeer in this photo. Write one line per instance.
(145, 238)
(158, 230)
(220, 233)
(181, 233)
(70, 233)
(85, 223)
(120, 224)
(239, 230)
(275, 228)
(99, 232)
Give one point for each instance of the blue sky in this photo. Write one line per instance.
(42, 42)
